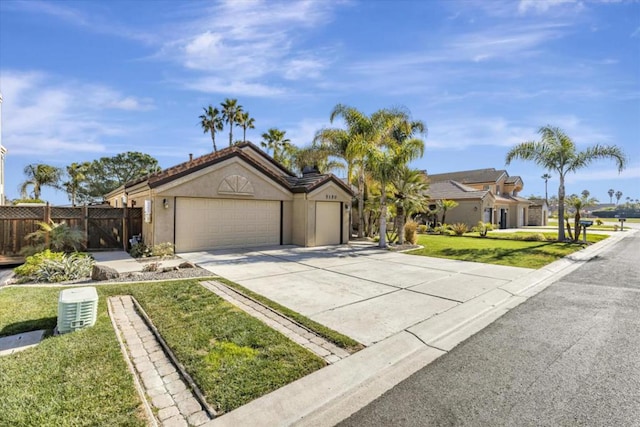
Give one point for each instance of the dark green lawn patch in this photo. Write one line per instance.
(233, 357)
(70, 380)
(494, 250)
(337, 338)
(81, 378)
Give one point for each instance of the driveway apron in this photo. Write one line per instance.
(359, 290)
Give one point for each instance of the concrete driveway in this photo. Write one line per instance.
(361, 291)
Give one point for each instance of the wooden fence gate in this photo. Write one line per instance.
(104, 228)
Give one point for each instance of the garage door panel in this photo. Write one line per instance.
(226, 223)
(327, 223)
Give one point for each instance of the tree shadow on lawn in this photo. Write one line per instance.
(47, 323)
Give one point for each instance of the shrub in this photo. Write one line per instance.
(537, 237)
(163, 249)
(33, 262)
(482, 228)
(443, 229)
(422, 228)
(61, 238)
(410, 233)
(70, 267)
(459, 228)
(140, 250)
(599, 222)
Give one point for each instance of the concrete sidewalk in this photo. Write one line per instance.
(335, 392)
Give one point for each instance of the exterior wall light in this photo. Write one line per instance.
(165, 203)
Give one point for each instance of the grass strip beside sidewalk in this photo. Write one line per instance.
(81, 378)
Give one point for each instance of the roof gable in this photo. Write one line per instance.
(454, 190)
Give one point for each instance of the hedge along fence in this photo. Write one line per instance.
(103, 227)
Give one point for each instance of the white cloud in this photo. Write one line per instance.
(462, 132)
(238, 45)
(96, 23)
(44, 116)
(542, 6)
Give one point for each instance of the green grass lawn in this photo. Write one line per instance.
(502, 250)
(82, 379)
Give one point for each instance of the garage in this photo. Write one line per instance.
(203, 223)
(328, 220)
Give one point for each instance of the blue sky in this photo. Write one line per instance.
(86, 79)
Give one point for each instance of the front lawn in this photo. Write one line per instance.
(502, 250)
(82, 379)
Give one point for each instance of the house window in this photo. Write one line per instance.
(485, 187)
(497, 189)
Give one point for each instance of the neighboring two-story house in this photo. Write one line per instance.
(487, 195)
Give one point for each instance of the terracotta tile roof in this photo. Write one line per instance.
(287, 179)
(470, 176)
(453, 190)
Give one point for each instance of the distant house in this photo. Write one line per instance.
(538, 212)
(238, 197)
(487, 195)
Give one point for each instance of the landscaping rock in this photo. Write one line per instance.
(168, 269)
(187, 264)
(102, 272)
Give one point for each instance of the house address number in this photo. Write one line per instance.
(331, 197)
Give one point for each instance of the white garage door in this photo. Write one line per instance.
(226, 223)
(327, 223)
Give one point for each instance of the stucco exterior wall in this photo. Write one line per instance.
(467, 211)
(299, 226)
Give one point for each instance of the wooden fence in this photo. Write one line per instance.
(104, 228)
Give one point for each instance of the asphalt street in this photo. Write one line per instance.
(569, 356)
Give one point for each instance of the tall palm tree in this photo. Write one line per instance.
(585, 193)
(611, 192)
(397, 147)
(76, 173)
(409, 193)
(211, 121)
(556, 151)
(352, 144)
(246, 122)
(274, 140)
(315, 156)
(546, 178)
(618, 196)
(39, 175)
(231, 110)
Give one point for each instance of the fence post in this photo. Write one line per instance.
(125, 227)
(85, 224)
(47, 220)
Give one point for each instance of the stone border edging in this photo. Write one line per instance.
(167, 351)
(147, 409)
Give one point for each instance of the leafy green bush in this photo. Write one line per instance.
(410, 232)
(459, 228)
(443, 229)
(422, 228)
(70, 267)
(163, 249)
(61, 238)
(140, 250)
(599, 222)
(33, 262)
(482, 228)
(537, 237)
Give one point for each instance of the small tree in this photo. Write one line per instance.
(579, 204)
(55, 236)
(445, 205)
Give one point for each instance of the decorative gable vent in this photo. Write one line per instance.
(237, 185)
(77, 309)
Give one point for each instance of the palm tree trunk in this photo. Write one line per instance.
(361, 202)
(349, 174)
(213, 139)
(231, 121)
(561, 236)
(244, 134)
(400, 224)
(383, 216)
